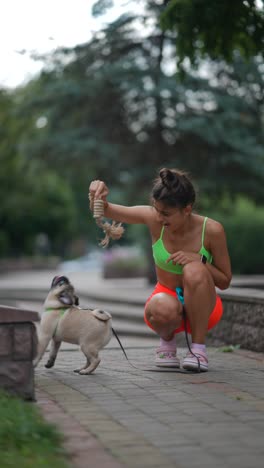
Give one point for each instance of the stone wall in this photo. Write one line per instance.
(243, 319)
(18, 347)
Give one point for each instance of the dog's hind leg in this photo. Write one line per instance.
(93, 359)
(84, 367)
(42, 346)
(55, 346)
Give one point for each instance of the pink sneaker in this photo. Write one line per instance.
(190, 362)
(166, 358)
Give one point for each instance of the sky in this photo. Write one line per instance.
(28, 26)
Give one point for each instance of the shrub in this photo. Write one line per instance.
(244, 230)
(124, 262)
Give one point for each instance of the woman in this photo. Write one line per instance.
(191, 258)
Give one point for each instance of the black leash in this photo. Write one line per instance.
(125, 354)
(187, 339)
(120, 344)
(152, 370)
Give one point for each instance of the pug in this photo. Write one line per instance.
(63, 320)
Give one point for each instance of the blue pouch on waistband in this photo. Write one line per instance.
(179, 292)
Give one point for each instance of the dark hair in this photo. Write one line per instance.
(173, 188)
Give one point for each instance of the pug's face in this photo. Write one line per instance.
(63, 290)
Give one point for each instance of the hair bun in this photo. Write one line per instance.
(169, 178)
(173, 188)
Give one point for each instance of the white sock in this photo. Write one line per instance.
(170, 345)
(198, 347)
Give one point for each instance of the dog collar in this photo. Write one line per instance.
(61, 309)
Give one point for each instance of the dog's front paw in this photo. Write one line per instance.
(50, 363)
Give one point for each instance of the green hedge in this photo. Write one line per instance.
(244, 228)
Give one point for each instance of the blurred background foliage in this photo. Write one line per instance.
(178, 84)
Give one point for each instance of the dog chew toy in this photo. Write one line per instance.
(112, 230)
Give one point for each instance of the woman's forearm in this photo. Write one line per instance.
(221, 280)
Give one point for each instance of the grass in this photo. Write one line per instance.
(26, 439)
(229, 348)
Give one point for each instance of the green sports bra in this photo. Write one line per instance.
(160, 254)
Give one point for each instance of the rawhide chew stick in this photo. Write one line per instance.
(112, 231)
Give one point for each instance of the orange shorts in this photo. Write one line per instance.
(214, 318)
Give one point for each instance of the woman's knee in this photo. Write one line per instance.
(163, 310)
(195, 274)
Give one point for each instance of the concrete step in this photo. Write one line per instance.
(23, 294)
(127, 312)
(125, 297)
(127, 320)
(125, 328)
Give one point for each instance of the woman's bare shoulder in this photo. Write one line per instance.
(215, 227)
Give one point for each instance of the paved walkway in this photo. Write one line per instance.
(148, 417)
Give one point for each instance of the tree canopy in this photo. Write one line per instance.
(218, 29)
(117, 108)
(113, 103)
(204, 29)
(34, 199)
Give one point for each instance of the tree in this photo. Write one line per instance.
(113, 108)
(33, 198)
(218, 30)
(112, 104)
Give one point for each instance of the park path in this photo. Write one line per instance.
(148, 417)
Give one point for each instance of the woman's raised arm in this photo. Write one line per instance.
(125, 214)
